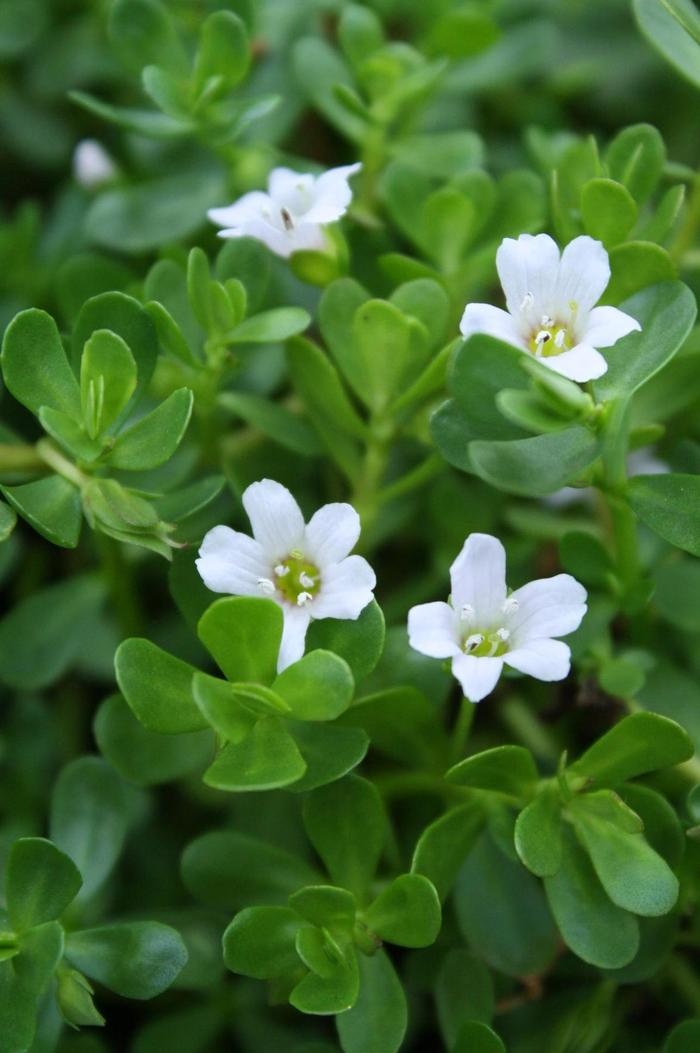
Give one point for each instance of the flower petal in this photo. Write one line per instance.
(606, 325)
(346, 589)
(332, 533)
(278, 240)
(546, 607)
(332, 194)
(433, 630)
(296, 622)
(478, 676)
(232, 562)
(249, 206)
(584, 273)
(581, 363)
(275, 517)
(528, 266)
(483, 318)
(543, 659)
(291, 190)
(478, 577)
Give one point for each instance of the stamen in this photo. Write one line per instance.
(546, 321)
(528, 300)
(267, 586)
(306, 580)
(296, 553)
(303, 598)
(473, 641)
(511, 605)
(281, 570)
(466, 612)
(503, 634)
(542, 337)
(560, 338)
(287, 219)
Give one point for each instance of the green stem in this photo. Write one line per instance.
(417, 784)
(461, 731)
(622, 520)
(686, 234)
(53, 457)
(413, 480)
(20, 458)
(685, 980)
(366, 496)
(120, 584)
(524, 724)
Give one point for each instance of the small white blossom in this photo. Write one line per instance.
(292, 214)
(551, 301)
(304, 567)
(92, 165)
(498, 628)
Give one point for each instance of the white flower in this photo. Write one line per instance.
(551, 304)
(304, 567)
(92, 165)
(483, 627)
(290, 217)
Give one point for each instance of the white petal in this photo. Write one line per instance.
(296, 622)
(249, 206)
(275, 517)
(232, 562)
(332, 194)
(546, 607)
(606, 325)
(584, 273)
(278, 240)
(528, 266)
(291, 190)
(483, 318)
(478, 577)
(543, 659)
(478, 676)
(433, 629)
(332, 533)
(581, 363)
(346, 589)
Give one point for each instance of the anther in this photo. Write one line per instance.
(266, 585)
(510, 605)
(503, 634)
(546, 321)
(542, 337)
(473, 641)
(466, 612)
(306, 580)
(287, 219)
(303, 598)
(296, 553)
(560, 338)
(281, 570)
(528, 300)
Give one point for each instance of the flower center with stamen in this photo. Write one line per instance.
(491, 644)
(297, 579)
(549, 336)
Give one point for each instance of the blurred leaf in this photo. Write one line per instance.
(51, 505)
(377, 1022)
(673, 28)
(138, 959)
(40, 882)
(670, 505)
(35, 366)
(346, 824)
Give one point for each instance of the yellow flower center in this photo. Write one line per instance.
(297, 579)
(486, 644)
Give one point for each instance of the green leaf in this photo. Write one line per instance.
(407, 912)
(158, 687)
(673, 28)
(584, 556)
(260, 942)
(592, 927)
(8, 520)
(635, 265)
(271, 326)
(24, 979)
(274, 420)
(40, 882)
(326, 906)
(503, 769)
(74, 996)
(336, 989)
(639, 743)
(35, 366)
(151, 123)
(69, 434)
(502, 912)
(666, 314)
(229, 869)
(684, 1037)
(538, 832)
(677, 593)
(125, 317)
(138, 959)
(142, 33)
(634, 876)
(445, 843)
(144, 757)
(400, 721)
(377, 1022)
(266, 759)
(670, 505)
(475, 1037)
(360, 643)
(635, 158)
(89, 819)
(329, 751)
(317, 69)
(107, 380)
(317, 687)
(360, 33)
(242, 634)
(383, 349)
(223, 52)
(662, 825)
(224, 709)
(463, 992)
(155, 437)
(35, 648)
(51, 506)
(608, 210)
(537, 466)
(346, 824)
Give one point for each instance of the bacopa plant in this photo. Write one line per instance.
(349, 510)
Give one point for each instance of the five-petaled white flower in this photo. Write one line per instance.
(304, 567)
(551, 304)
(483, 627)
(290, 217)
